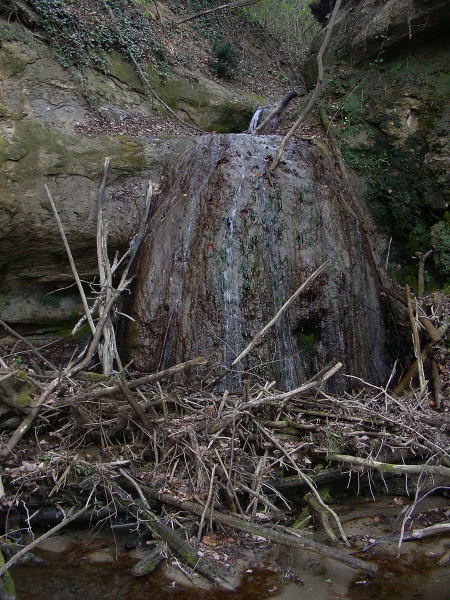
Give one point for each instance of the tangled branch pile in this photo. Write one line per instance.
(225, 458)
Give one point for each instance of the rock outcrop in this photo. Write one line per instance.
(43, 107)
(387, 98)
(225, 249)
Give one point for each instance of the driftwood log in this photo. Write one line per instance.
(293, 540)
(142, 511)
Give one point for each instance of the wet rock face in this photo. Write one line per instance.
(367, 32)
(386, 95)
(225, 249)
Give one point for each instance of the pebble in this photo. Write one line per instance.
(100, 556)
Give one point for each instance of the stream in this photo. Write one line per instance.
(226, 247)
(82, 566)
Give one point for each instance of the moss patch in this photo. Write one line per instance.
(12, 64)
(122, 70)
(43, 149)
(24, 399)
(387, 117)
(206, 102)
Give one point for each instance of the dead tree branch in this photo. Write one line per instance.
(316, 92)
(294, 296)
(390, 468)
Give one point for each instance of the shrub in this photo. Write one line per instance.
(226, 60)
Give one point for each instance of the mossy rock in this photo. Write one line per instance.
(40, 148)
(390, 120)
(17, 390)
(206, 103)
(122, 70)
(13, 58)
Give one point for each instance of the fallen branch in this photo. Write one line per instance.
(175, 542)
(325, 476)
(150, 561)
(388, 467)
(323, 515)
(294, 296)
(135, 383)
(293, 539)
(420, 534)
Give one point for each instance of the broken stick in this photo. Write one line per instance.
(265, 329)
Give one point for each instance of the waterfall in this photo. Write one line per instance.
(226, 248)
(230, 288)
(232, 331)
(256, 118)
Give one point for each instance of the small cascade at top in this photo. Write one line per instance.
(255, 120)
